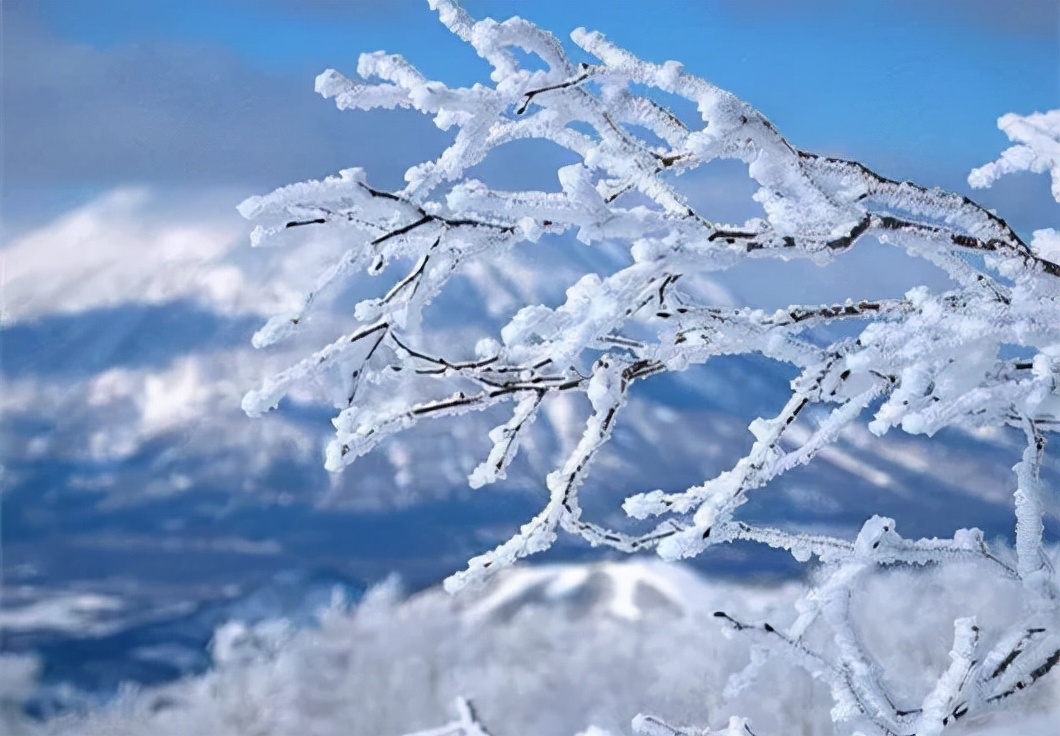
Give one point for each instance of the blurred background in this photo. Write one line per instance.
(140, 508)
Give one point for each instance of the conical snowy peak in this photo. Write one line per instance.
(630, 591)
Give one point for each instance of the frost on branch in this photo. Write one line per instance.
(1038, 136)
(924, 362)
(1038, 149)
(466, 724)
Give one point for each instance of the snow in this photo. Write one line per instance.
(69, 612)
(560, 649)
(80, 261)
(1038, 149)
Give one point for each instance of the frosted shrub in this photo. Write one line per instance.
(981, 354)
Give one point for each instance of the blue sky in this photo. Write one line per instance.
(218, 93)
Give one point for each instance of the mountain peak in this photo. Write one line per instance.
(624, 590)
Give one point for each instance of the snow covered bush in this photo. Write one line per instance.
(981, 355)
(548, 649)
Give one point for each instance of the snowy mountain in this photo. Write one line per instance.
(139, 498)
(123, 376)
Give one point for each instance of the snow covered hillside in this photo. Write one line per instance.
(553, 650)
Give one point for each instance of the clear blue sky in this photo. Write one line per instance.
(99, 93)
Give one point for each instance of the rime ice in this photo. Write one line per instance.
(925, 362)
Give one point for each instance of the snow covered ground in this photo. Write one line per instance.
(549, 650)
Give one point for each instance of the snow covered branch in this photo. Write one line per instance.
(925, 362)
(466, 724)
